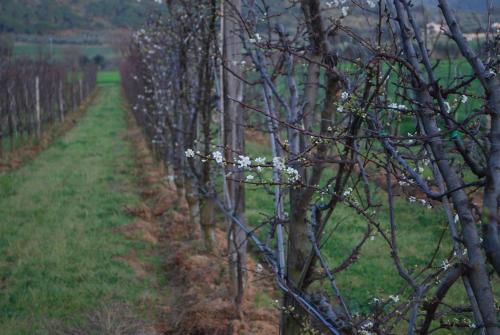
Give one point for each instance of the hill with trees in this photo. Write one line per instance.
(49, 16)
(45, 16)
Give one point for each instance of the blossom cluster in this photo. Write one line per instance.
(244, 162)
(397, 106)
(344, 8)
(424, 202)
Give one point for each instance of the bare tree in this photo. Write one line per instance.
(359, 117)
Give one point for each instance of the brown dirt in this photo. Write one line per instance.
(164, 202)
(139, 267)
(201, 302)
(257, 136)
(141, 230)
(142, 211)
(198, 301)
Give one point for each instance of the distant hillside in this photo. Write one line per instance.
(45, 16)
(51, 16)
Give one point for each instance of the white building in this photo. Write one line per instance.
(433, 28)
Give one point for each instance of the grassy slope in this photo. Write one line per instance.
(56, 247)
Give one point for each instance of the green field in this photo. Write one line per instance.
(373, 275)
(58, 252)
(108, 77)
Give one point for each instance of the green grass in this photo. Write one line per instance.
(57, 248)
(419, 228)
(444, 70)
(374, 274)
(108, 77)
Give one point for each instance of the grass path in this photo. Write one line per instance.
(58, 252)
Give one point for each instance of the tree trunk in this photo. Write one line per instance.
(38, 124)
(11, 120)
(297, 252)
(61, 102)
(191, 195)
(477, 273)
(234, 143)
(80, 90)
(207, 223)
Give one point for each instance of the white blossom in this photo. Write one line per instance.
(217, 155)
(412, 199)
(189, 153)
(345, 10)
(447, 105)
(250, 177)
(293, 174)
(340, 109)
(278, 163)
(395, 105)
(344, 95)
(445, 264)
(347, 192)
(368, 324)
(260, 160)
(243, 162)
(394, 298)
(464, 98)
(331, 4)
(371, 3)
(259, 268)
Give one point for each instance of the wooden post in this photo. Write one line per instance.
(80, 85)
(73, 96)
(29, 119)
(37, 108)
(1, 134)
(61, 101)
(11, 111)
